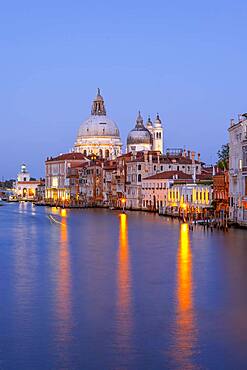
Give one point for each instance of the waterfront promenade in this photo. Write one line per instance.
(98, 289)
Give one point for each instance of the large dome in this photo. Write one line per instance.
(98, 134)
(98, 126)
(140, 134)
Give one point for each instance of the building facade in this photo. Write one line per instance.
(57, 176)
(25, 187)
(148, 163)
(221, 190)
(238, 170)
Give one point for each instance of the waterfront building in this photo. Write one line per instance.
(98, 134)
(73, 176)
(91, 182)
(155, 188)
(238, 170)
(147, 163)
(26, 187)
(40, 191)
(149, 137)
(189, 197)
(110, 194)
(221, 190)
(56, 176)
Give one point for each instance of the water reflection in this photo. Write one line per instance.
(185, 326)
(63, 291)
(124, 317)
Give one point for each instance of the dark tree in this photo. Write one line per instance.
(223, 157)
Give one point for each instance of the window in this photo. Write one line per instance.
(161, 168)
(245, 156)
(139, 167)
(139, 177)
(154, 168)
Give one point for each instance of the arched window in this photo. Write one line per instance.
(157, 135)
(139, 177)
(160, 135)
(107, 153)
(139, 167)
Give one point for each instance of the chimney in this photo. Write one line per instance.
(199, 157)
(239, 117)
(184, 153)
(158, 157)
(145, 156)
(194, 174)
(188, 153)
(232, 122)
(213, 170)
(150, 158)
(193, 157)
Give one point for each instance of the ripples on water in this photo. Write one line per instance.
(94, 289)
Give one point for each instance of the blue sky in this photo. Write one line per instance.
(185, 60)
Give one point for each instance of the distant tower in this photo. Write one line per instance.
(24, 175)
(157, 132)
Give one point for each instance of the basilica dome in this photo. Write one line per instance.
(139, 138)
(98, 126)
(98, 134)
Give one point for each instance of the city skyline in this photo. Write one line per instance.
(174, 59)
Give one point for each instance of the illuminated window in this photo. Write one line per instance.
(54, 182)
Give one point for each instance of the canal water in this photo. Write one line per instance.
(97, 289)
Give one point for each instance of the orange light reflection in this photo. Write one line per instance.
(64, 285)
(124, 317)
(185, 328)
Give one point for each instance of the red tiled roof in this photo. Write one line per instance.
(67, 156)
(166, 175)
(79, 165)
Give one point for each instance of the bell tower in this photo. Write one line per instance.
(158, 135)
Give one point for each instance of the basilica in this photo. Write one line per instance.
(99, 134)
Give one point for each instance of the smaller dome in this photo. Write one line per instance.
(140, 134)
(149, 123)
(157, 122)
